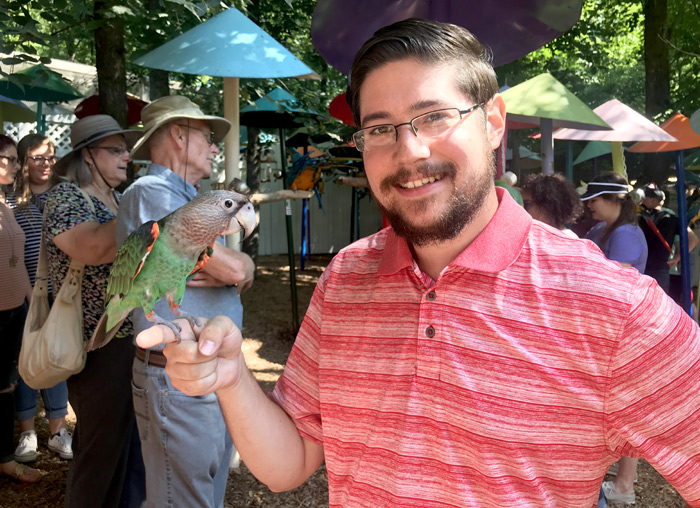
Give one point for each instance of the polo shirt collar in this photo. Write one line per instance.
(496, 247)
(172, 178)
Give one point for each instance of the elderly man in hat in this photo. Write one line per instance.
(660, 228)
(186, 447)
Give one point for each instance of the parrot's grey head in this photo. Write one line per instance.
(216, 213)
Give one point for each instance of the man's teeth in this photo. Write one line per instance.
(419, 183)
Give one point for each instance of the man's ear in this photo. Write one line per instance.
(495, 120)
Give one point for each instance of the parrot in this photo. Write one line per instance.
(159, 257)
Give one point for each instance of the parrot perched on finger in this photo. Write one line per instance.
(159, 257)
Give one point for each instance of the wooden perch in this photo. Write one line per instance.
(281, 195)
(353, 181)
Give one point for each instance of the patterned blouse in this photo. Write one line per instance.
(66, 208)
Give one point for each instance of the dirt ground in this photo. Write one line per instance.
(268, 333)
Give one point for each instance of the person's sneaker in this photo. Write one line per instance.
(26, 450)
(613, 496)
(62, 443)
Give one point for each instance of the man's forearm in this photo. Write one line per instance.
(266, 437)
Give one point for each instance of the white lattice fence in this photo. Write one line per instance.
(57, 129)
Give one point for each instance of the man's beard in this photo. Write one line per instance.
(463, 207)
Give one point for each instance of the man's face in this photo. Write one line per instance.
(428, 189)
(200, 151)
(650, 203)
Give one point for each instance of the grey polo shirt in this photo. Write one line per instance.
(152, 197)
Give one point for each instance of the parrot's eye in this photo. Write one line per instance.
(228, 203)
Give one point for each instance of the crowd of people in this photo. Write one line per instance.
(468, 355)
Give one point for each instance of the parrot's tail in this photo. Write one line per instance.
(101, 336)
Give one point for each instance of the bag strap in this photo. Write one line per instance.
(656, 231)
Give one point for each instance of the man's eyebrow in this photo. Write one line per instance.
(415, 107)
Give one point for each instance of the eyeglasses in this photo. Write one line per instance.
(208, 134)
(117, 151)
(428, 125)
(10, 159)
(38, 159)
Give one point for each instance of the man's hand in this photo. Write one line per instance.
(206, 360)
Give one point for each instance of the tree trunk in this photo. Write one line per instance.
(158, 85)
(658, 87)
(110, 63)
(252, 160)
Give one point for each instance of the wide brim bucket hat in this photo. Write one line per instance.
(173, 107)
(88, 131)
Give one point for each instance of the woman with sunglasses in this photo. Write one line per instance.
(37, 157)
(83, 228)
(15, 293)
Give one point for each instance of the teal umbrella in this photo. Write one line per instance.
(38, 84)
(232, 46)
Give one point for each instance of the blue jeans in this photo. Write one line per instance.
(11, 326)
(185, 444)
(55, 401)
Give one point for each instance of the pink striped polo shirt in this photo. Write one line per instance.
(514, 380)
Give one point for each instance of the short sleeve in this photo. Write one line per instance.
(66, 207)
(654, 403)
(624, 246)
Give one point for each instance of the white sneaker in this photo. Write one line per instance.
(62, 443)
(26, 450)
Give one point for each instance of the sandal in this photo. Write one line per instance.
(23, 473)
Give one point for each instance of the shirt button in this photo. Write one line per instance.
(430, 332)
(431, 295)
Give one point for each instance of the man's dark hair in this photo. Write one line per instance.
(555, 196)
(429, 42)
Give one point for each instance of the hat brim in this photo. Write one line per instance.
(131, 136)
(219, 126)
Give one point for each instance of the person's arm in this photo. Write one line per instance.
(91, 243)
(265, 436)
(692, 243)
(226, 267)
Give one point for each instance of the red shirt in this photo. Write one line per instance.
(515, 379)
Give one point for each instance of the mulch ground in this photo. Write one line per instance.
(269, 335)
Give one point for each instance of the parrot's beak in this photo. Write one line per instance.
(245, 219)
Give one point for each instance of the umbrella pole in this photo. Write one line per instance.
(231, 141)
(290, 235)
(683, 232)
(40, 127)
(547, 146)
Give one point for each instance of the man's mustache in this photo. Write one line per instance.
(426, 169)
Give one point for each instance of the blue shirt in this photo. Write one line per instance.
(626, 244)
(152, 197)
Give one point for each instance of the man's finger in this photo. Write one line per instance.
(161, 334)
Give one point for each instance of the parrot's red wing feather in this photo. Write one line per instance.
(203, 259)
(155, 231)
(130, 258)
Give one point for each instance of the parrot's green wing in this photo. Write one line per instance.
(130, 258)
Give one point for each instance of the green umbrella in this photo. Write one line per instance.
(592, 150)
(545, 101)
(38, 84)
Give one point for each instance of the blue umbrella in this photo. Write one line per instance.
(232, 46)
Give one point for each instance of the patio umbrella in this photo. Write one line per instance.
(544, 101)
(511, 28)
(340, 110)
(12, 110)
(231, 46)
(38, 84)
(679, 127)
(91, 106)
(627, 125)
